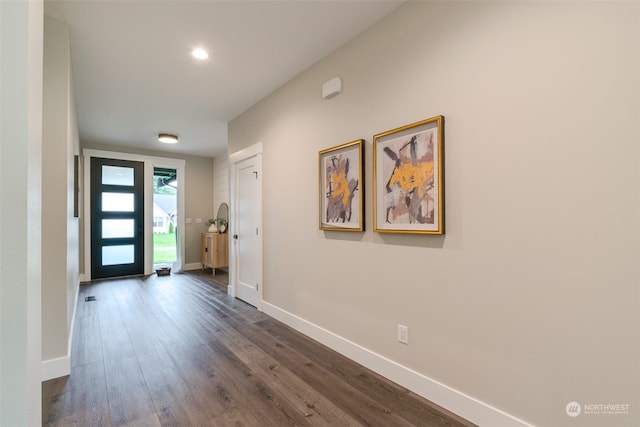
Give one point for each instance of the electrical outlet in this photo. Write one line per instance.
(403, 334)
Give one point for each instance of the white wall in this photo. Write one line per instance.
(531, 299)
(60, 229)
(20, 214)
(73, 224)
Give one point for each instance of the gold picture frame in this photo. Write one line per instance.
(408, 178)
(341, 187)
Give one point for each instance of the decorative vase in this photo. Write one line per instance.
(212, 228)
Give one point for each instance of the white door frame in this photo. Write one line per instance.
(149, 163)
(235, 158)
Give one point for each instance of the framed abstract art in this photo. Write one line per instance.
(341, 187)
(408, 172)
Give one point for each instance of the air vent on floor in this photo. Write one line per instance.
(91, 298)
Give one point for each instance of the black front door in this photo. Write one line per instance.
(117, 218)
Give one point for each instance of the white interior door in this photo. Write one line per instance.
(247, 239)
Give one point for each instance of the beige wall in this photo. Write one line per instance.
(531, 299)
(60, 229)
(221, 180)
(198, 192)
(20, 212)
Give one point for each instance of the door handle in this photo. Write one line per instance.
(235, 237)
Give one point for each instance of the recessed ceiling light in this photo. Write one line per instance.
(200, 53)
(168, 138)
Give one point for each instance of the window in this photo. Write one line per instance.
(158, 222)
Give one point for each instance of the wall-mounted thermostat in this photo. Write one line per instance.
(332, 87)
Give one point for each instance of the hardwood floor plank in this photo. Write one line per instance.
(362, 408)
(173, 400)
(129, 404)
(123, 374)
(87, 338)
(288, 386)
(148, 421)
(116, 343)
(83, 401)
(236, 419)
(82, 310)
(229, 385)
(178, 351)
(156, 359)
(196, 373)
(266, 403)
(407, 404)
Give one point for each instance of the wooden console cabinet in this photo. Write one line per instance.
(215, 250)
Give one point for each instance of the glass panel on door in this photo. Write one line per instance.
(112, 228)
(121, 254)
(115, 175)
(118, 202)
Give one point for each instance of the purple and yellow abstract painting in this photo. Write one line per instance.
(408, 182)
(341, 187)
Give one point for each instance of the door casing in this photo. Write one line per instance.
(149, 163)
(234, 159)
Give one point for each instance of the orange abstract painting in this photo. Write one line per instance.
(408, 178)
(341, 187)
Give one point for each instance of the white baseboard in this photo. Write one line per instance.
(60, 367)
(192, 266)
(55, 368)
(453, 400)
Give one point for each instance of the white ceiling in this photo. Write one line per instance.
(134, 76)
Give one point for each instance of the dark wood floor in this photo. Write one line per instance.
(177, 351)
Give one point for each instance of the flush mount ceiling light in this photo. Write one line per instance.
(168, 138)
(200, 53)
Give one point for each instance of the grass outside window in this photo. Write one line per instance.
(164, 248)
